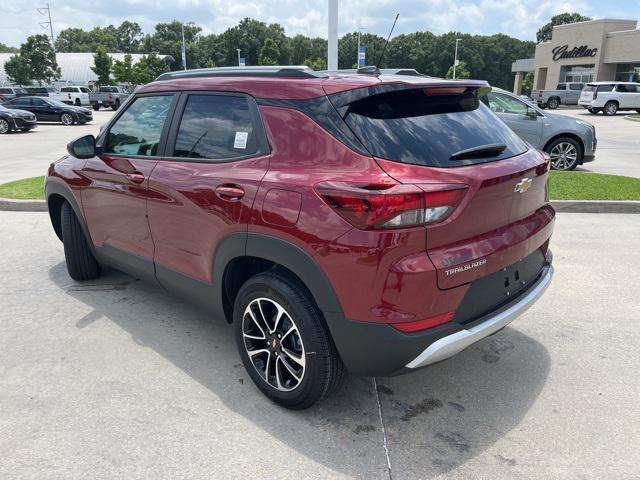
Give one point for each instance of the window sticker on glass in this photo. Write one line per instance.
(241, 140)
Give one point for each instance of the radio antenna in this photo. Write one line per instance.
(387, 42)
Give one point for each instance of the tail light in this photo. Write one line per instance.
(110, 97)
(539, 93)
(595, 94)
(385, 206)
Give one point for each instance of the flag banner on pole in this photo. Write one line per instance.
(361, 56)
(242, 62)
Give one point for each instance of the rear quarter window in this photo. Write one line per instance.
(414, 127)
(605, 88)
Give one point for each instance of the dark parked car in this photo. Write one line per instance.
(41, 91)
(50, 110)
(362, 222)
(14, 120)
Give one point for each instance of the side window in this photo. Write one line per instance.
(216, 127)
(605, 88)
(84, 90)
(21, 101)
(576, 86)
(138, 130)
(501, 103)
(66, 89)
(38, 102)
(5, 90)
(561, 86)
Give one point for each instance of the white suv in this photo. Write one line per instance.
(609, 97)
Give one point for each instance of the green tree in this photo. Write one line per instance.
(544, 34)
(269, 53)
(461, 71)
(123, 71)
(35, 62)
(527, 84)
(102, 64)
(17, 70)
(167, 40)
(148, 68)
(7, 49)
(316, 64)
(129, 37)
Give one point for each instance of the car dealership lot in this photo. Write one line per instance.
(28, 154)
(115, 378)
(618, 142)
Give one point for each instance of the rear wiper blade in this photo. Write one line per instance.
(488, 150)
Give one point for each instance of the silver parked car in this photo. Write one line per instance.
(569, 142)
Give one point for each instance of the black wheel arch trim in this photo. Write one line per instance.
(58, 188)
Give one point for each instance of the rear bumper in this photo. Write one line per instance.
(374, 349)
(452, 344)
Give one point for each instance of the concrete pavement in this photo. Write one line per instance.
(28, 154)
(618, 151)
(116, 378)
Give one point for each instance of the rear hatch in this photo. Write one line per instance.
(588, 93)
(443, 138)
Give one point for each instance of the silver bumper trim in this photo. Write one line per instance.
(452, 344)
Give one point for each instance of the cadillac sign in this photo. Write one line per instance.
(562, 51)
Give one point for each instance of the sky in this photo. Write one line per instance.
(517, 18)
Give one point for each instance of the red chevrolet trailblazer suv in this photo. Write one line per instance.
(374, 223)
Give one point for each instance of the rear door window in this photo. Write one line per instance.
(605, 88)
(420, 127)
(576, 86)
(137, 132)
(217, 127)
(501, 103)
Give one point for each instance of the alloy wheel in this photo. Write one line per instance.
(4, 126)
(66, 119)
(273, 343)
(611, 108)
(563, 156)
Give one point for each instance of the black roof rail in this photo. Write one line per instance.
(372, 70)
(297, 71)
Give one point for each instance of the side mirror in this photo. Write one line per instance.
(83, 147)
(531, 113)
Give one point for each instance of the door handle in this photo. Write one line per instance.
(135, 177)
(231, 193)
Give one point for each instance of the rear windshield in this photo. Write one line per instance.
(413, 126)
(109, 89)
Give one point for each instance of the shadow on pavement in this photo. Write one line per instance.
(436, 419)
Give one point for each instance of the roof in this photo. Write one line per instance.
(605, 82)
(74, 67)
(268, 83)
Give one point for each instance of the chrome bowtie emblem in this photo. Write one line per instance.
(523, 185)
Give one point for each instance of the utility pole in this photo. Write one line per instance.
(47, 10)
(332, 44)
(455, 59)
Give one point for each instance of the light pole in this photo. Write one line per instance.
(358, 53)
(332, 36)
(455, 59)
(184, 50)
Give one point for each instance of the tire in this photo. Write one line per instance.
(116, 105)
(292, 383)
(96, 106)
(593, 111)
(553, 103)
(77, 102)
(67, 119)
(566, 153)
(81, 264)
(610, 108)
(4, 126)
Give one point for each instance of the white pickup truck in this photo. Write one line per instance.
(73, 95)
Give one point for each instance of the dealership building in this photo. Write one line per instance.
(597, 50)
